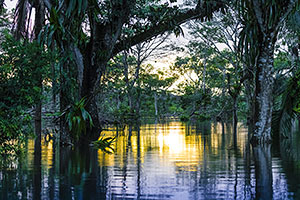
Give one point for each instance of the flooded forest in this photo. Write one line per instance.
(149, 99)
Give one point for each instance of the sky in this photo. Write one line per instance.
(10, 4)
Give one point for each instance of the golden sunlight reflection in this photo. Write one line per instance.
(46, 153)
(176, 144)
(172, 142)
(172, 160)
(173, 145)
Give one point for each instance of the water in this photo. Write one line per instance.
(165, 161)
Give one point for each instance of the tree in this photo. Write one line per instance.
(21, 30)
(222, 32)
(20, 88)
(261, 23)
(196, 89)
(112, 26)
(286, 65)
(131, 63)
(155, 86)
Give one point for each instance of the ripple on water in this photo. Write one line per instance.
(167, 161)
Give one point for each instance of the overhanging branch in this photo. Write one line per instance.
(198, 13)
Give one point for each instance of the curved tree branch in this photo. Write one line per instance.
(184, 16)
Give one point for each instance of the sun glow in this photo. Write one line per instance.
(173, 141)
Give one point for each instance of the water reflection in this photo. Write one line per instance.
(158, 161)
(263, 171)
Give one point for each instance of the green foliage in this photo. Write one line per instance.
(121, 83)
(21, 71)
(20, 78)
(78, 118)
(62, 28)
(203, 71)
(289, 106)
(13, 132)
(258, 21)
(184, 118)
(105, 144)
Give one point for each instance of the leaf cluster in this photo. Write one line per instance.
(105, 144)
(77, 119)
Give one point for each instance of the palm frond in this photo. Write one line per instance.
(288, 95)
(105, 144)
(1, 5)
(21, 19)
(282, 122)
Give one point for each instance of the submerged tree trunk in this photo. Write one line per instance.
(64, 101)
(138, 100)
(263, 91)
(234, 93)
(204, 77)
(94, 69)
(92, 107)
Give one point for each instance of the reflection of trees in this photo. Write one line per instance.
(138, 163)
(53, 171)
(207, 168)
(218, 163)
(247, 168)
(64, 172)
(125, 157)
(290, 155)
(263, 171)
(204, 178)
(37, 169)
(203, 128)
(16, 181)
(79, 174)
(73, 174)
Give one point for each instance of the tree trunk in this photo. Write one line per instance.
(138, 100)
(130, 101)
(93, 133)
(93, 71)
(155, 105)
(204, 77)
(235, 121)
(263, 92)
(64, 101)
(38, 119)
(39, 23)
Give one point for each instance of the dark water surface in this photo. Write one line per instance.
(165, 161)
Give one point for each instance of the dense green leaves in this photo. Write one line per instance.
(20, 71)
(77, 119)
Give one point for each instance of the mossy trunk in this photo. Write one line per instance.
(264, 81)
